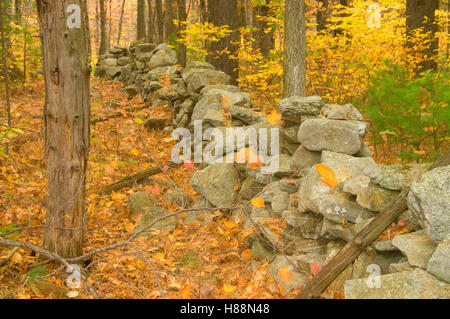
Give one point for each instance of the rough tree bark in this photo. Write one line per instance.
(150, 24)
(103, 35)
(225, 13)
(295, 49)
(416, 13)
(170, 27)
(119, 33)
(160, 21)
(67, 75)
(140, 25)
(5, 66)
(182, 16)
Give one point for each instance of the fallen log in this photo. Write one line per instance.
(363, 239)
(116, 115)
(129, 181)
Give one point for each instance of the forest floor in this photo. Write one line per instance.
(193, 261)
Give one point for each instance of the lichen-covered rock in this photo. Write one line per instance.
(332, 135)
(197, 79)
(342, 112)
(414, 284)
(140, 202)
(304, 158)
(178, 197)
(398, 177)
(355, 185)
(290, 262)
(429, 200)
(217, 183)
(163, 57)
(293, 108)
(439, 263)
(375, 198)
(417, 247)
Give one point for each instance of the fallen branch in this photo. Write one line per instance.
(8, 258)
(133, 179)
(363, 239)
(116, 115)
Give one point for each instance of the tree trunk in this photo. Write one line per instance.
(263, 41)
(416, 11)
(150, 24)
(182, 16)
(5, 66)
(140, 26)
(171, 28)
(225, 13)
(18, 10)
(322, 15)
(203, 11)
(119, 33)
(67, 81)
(295, 49)
(160, 21)
(103, 41)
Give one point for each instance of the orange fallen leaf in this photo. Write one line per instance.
(258, 202)
(274, 117)
(247, 254)
(328, 175)
(285, 275)
(230, 224)
(186, 292)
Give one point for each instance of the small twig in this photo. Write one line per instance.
(8, 258)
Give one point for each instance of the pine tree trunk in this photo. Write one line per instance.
(140, 26)
(295, 49)
(416, 11)
(182, 16)
(103, 41)
(67, 75)
(225, 13)
(160, 21)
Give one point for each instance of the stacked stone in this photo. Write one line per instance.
(320, 219)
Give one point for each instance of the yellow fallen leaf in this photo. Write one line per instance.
(229, 288)
(134, 152)
(274, 117)
(285, 275)
(160, 256)
(258, 202)
(328, 175)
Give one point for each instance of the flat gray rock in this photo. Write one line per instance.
(417, 247)
(332, 135)
(415, 284)
(439, 263)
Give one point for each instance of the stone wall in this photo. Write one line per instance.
(321, 215)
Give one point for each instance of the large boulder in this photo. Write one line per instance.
(429, 200)
(164, 57)
(197, 79)
(414, 284)
(293, 108)
(332, 135)
(217, 183)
